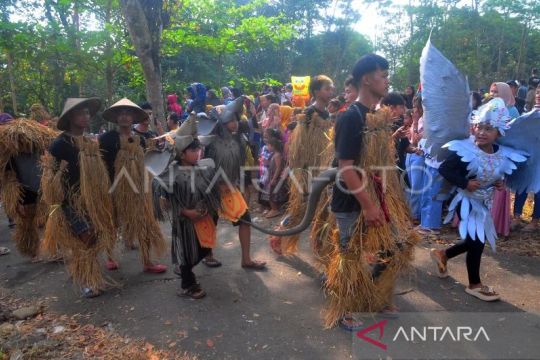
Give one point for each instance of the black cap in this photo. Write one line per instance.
(512, 83)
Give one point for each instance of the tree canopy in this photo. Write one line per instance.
(53, 49)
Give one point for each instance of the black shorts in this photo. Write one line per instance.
(245, 217)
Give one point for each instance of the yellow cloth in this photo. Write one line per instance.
(233, 205)
(286, 113)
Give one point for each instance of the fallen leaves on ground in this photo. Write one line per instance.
(54, 336)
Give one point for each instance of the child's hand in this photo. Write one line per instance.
(191, 214)
(499, 185)
(473, 185)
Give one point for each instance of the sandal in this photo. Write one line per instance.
(255, 265)
(427, 232)
(211, 262)
(348, 323)
(194, 292)
(389, 312)
(4, 251)
(485, 293)
(155, 269)
(442, 269)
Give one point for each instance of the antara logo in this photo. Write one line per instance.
(426, 333)
(440, 333)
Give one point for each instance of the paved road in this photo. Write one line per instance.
(249, 315)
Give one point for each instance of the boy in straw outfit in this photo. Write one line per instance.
(76, 188)
(123, 153)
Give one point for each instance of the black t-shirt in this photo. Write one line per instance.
(109, 143)
(64, 148)
(348, 143)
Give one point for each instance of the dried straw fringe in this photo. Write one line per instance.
(11, 193)
(53, 196)
(82, 262)
(310, 146)
(24, 136)
(134, 212)
(350, 283)
(94, 200)
(26, 234)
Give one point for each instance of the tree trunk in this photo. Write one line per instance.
(12, 83)
(77, 42)
(108, 56)
(143, 20)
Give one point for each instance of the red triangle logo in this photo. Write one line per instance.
(380, 325)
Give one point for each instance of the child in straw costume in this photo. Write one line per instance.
(22, 143)
(373, 241)
(228, 151)
(310, 148)
(194, 202)
(75, 186)
(123, 153)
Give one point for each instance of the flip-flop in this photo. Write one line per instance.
(155, 269)
(485, 293)
(354, 325)
(4, 251)
(111, 265)
(213, 263)
(255, 265)
(194, 292)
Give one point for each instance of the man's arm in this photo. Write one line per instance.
(371, 212)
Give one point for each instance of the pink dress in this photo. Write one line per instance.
(501, 212)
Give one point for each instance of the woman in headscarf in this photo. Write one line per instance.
(285, 114)
(503, 90)
(501, 202)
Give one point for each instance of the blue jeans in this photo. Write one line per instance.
(346, 222)
(519, 202)
(415, 171)
(431, 205)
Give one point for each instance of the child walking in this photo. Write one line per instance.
(477, 169)
(194, 204)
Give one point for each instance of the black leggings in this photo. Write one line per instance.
(474, 249)
(186, 271)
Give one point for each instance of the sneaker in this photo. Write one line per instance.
(485, 293)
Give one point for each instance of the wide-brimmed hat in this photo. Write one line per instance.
(227, 113)
(93, 104)
(111, 114)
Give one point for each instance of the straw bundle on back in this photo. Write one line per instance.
(134, 213)
(24, 136)
(310, 148)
